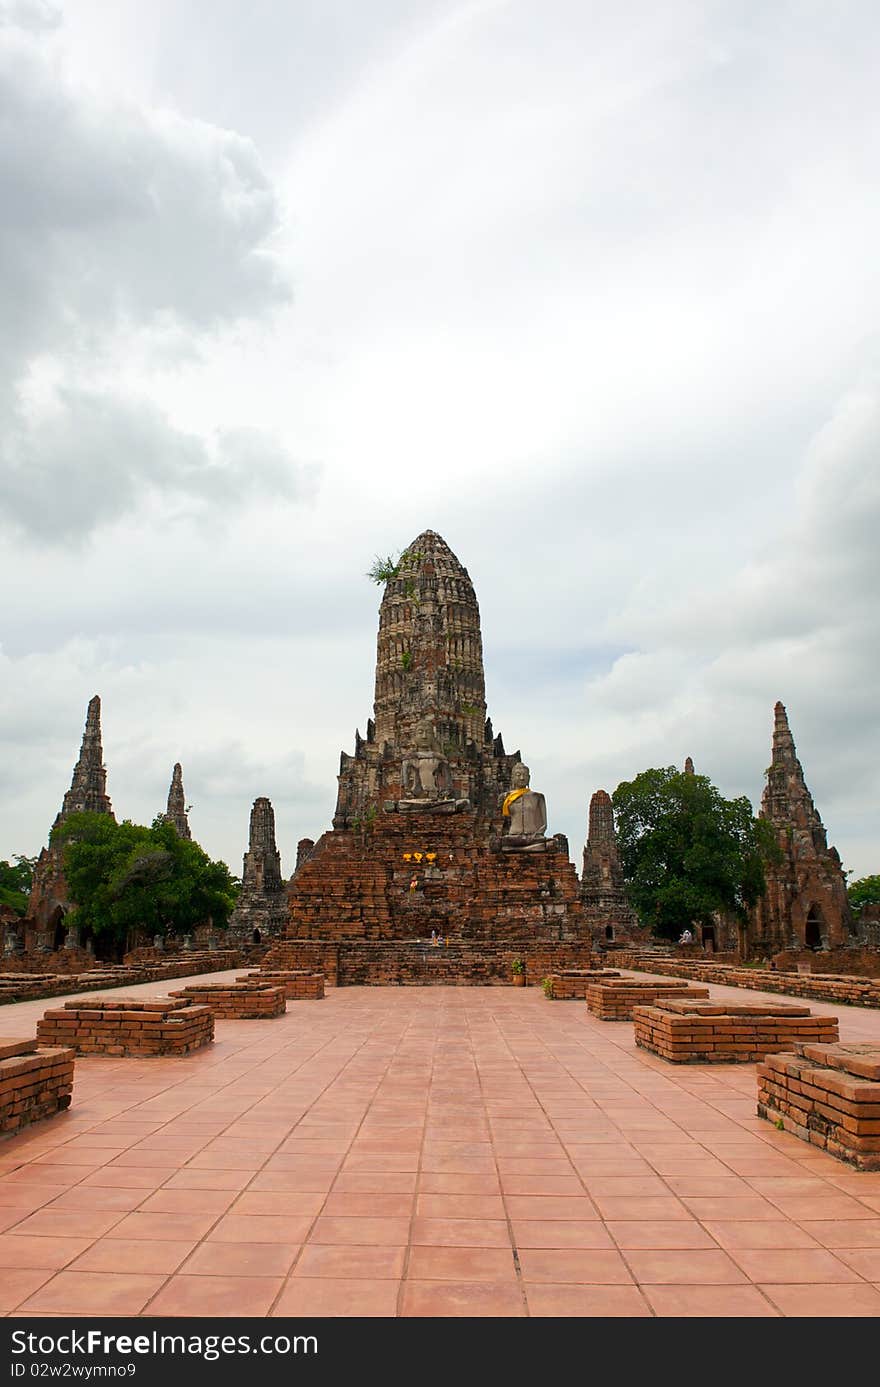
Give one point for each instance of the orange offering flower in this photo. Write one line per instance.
(407, 856)
(431, 856)
(417, 856)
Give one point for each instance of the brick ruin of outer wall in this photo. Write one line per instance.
(853, 991)
(34, 1085)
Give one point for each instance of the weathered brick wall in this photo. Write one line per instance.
(845, 989)
(36, 1081)
(689, 1032)
(828, 1095)
(239, 1001)
(862, 963)
(415, 962)
(615, 999)
(128, 1027)
(297, 985)
(298, 955)
(60, 961)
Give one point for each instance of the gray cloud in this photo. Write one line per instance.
(94, 457)
(30, 14)
(119, 220)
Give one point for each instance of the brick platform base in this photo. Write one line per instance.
(36, 1081)
(570, 985)
(419, 963)
(614, 1000)
(128, 1026)
(298, 985)
(693, 1032)
(828, 1095)
(237, 1001)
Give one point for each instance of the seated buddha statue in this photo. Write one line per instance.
(426, 779)
(525, 814)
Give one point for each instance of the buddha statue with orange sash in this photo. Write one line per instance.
(525, 815)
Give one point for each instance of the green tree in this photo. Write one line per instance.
(16, 878)
(865, 891)
(126, 878)
(686, 852)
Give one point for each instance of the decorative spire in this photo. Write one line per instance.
(261, 870)
(88, 786)
(176, 811)
(601, 829)
(429, 660)
(805, 903)
(786, 799)
(261, 909)
(688, 766)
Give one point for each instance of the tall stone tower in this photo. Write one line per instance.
(49, 899)
(261, 909)
(437, 833)
(429, 683)
(176, 811)
(609, 913)
(805, 905)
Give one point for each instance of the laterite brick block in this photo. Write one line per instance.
(126, 1026)
(298, 984)
(615, 999)
(828, 1095)
(570, 984)
(694, 1032)
(36, 1081)
(237, 1001)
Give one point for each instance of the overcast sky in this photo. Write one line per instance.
(592, 289)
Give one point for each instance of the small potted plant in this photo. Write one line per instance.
(518, 969)
(547, 985)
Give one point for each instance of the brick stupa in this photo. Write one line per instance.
(806, 903)
(609, 913)
(175, 813)
(418, 849)
(49, 899)
(261, 909)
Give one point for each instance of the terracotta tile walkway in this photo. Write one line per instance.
(429, 1152)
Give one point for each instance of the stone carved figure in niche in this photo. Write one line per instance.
(424, 770)
(426, 777)
(525, 814)
(425, 774)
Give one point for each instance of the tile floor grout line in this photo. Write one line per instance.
(521, 1284)
(407, 1252)
(291, 1269)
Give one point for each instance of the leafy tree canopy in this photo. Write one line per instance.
(865, 891)
(15, 882)
(126, 877)
(686, 852)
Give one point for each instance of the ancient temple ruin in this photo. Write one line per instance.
(49, 899)
(438, 866)
(261, 909)
(608, 912)
(176, 812)
(805, 905)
